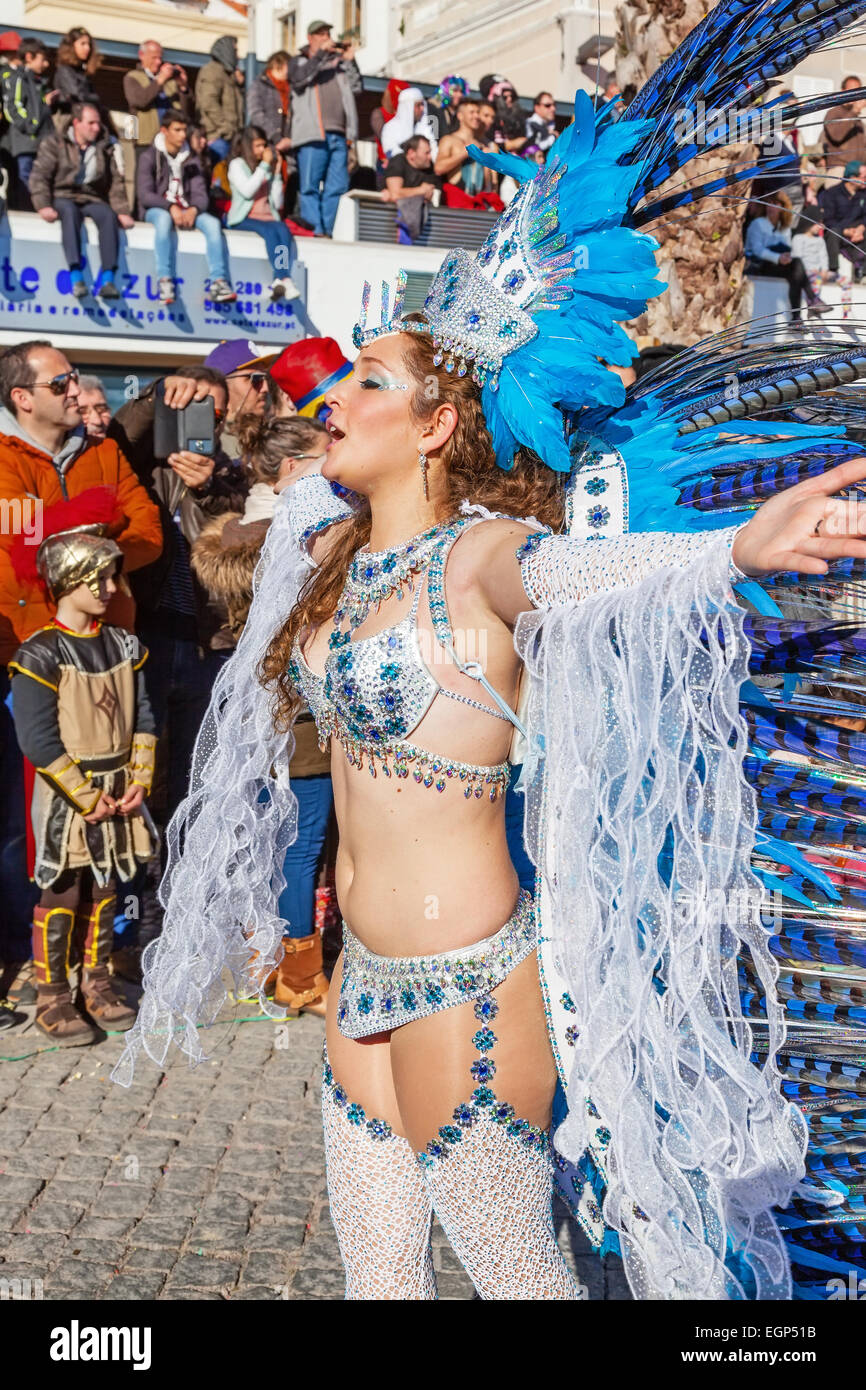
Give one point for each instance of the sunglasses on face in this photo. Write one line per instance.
(58, 385)
(255, 379)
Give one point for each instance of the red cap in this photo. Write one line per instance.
(10, 42)
(308, 369)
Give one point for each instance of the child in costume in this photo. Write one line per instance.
(83, 719)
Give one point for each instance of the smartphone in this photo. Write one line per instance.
(193, 428)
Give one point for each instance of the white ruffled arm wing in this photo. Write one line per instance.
(228, 837)
(563, 569)
(642, 826)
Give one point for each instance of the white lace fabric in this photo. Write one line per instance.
(492, 1197)
(227, 839)
(642, 824)
(380, 1207)
(559, 569)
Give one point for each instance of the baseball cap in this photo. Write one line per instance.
(10, 42)
(316, 26)
(307, 370)
(234, 354)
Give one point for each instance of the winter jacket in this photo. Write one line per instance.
(245, 184)
(812, 251)
(265, 109)
(27, 115)
(219, 99)
(151, 181)
(27, 471)
(224, 559)
(74, 84)
(147, 100)
(225, 491)
(308, 75)
(841, 208)
(58, 160)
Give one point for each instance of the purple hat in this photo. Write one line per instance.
(235, 354)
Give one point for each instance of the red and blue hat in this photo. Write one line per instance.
(308, 369)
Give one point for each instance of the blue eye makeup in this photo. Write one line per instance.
(372, 383)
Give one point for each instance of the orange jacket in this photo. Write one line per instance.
(27, 472)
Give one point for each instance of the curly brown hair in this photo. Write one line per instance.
(471, 472)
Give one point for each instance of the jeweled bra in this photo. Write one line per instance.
(377, 689)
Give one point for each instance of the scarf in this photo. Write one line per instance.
(283, 87)
(174, 193)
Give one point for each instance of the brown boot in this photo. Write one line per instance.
(58, 1018)
(56, 1015)
(302, 987)
(104, 1004)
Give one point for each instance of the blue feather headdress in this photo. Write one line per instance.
(532, 312)
(536, 314)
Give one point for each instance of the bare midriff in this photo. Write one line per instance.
(418, 870)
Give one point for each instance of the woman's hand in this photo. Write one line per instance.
(805, 526)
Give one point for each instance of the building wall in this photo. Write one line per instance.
(277, 20)
(534, 43)
(132, 21)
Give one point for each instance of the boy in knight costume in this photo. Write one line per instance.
(83, 719)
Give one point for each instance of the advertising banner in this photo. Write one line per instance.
(36, 297)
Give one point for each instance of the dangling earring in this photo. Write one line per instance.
(422, 464)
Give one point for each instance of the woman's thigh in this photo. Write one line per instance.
(361, 1066)
(437, 1063)
(417, 1075)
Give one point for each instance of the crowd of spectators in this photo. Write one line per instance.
(200, 154)
(184, 589)
(806, 219)
(206, 153)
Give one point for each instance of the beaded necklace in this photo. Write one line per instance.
(374, 575)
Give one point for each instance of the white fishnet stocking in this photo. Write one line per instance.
(380, 1206)
(492, 1197)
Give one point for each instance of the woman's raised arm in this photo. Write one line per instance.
(801, 529)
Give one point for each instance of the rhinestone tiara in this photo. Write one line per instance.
(481, 307)
(473, 325)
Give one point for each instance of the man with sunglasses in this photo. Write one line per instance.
(541, 125)
(245, 369)
(46, 456)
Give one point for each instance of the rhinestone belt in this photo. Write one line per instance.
(379, 993)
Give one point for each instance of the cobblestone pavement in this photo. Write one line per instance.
(193, 1184)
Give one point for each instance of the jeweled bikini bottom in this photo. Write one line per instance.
(379, 993)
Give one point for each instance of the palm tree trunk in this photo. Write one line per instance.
(700, 252)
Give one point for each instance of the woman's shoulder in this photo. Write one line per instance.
(489, 534)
